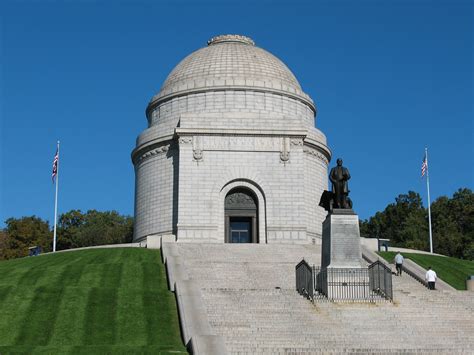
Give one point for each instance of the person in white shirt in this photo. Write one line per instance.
(399, 263)
(431, 278)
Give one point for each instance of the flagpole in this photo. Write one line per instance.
(429, 203)
(56, 203)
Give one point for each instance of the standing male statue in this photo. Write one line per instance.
(339, 176)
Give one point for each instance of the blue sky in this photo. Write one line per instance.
(389, 78)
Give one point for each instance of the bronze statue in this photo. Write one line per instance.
(339, 176)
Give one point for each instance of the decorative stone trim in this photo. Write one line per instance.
(240, 140)
(153, 152)
(285, 150)
(185, 140)
(197, 148)
(316, 153)
(197, 154)
(296, 141)
(151, 142)
(231, 38)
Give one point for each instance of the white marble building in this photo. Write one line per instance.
(231, 152)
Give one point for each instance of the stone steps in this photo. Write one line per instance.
(238, 286)
(324, 350)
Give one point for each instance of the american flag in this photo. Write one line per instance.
(55, 165)
(424, 166)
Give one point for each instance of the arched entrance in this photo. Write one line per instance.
(241, 211)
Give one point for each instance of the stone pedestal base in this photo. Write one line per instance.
(341, 240)
(343, 276)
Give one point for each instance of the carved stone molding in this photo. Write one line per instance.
(197, 154)
(197, 148)
(185, 140)
(284, 156)
(240, 200)
(285, 150)
(296, 141)
(316, 153)
(154, 152)
(241, 143)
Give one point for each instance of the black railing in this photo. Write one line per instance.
(305, 279)
(381, 279)
(345, 284)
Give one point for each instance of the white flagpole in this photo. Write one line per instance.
(429, 203)
(56, 203)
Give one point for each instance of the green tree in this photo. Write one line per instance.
(373, 227)
(4, 245)
(69, 225)
(25, 232)
(463, 207)
(453, 224)
(403, 222)
(414, 232)
(93, 228)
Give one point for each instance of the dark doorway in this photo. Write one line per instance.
(241, 216)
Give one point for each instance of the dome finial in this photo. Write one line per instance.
(231, 38)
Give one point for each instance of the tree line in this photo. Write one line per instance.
(75, 229)
(405, 223)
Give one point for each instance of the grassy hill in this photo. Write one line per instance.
(451, 270)
(97, 301)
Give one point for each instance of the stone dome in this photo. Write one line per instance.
(230, 118)
(231, 62)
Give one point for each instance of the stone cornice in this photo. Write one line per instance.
(148, 153)
(161, 145)
(151, 148)
(319, 152)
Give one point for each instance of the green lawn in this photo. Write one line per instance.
(451, 270)
(97, 301)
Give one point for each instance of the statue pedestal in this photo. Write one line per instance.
(341, 240)
(342, 275)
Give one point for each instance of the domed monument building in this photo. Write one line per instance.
(231, 153)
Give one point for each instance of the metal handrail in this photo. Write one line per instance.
(381, 279)
(305, 279)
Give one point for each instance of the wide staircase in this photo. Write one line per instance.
(249, 293)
